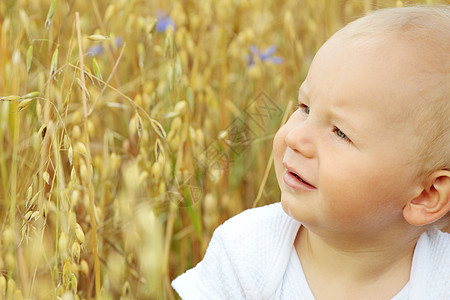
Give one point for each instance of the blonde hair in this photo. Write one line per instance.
(427, 29)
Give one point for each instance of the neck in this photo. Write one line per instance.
(355, 264)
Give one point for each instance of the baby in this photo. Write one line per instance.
(363, 166)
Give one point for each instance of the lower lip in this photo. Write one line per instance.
(295, 184)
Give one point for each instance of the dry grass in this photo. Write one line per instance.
(116, 168)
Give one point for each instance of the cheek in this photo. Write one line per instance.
(279, 148)
(357, 189)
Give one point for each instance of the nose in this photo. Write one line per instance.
(300, 137)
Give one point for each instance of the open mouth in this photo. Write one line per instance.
(301, 179)
(295, 181)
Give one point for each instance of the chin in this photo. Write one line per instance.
(289, 206)
(298, 210)
(285, 207)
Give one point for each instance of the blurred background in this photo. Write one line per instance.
(130, 129)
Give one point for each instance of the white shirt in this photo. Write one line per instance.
(252, 256)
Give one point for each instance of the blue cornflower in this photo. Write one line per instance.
(164, 22)
(266, 55)
(95, 50)
(99, 49)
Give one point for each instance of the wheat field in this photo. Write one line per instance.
(130, 129)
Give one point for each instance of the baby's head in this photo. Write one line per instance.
(369, 147)
(422, 37)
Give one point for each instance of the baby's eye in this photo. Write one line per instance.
(303, 107)
(342, 135)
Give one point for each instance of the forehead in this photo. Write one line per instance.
(379, 91)
(385, 79)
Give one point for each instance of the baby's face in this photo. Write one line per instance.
(350, 141)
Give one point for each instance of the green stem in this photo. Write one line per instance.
(13, 172)
(3, 168)
(57, 196)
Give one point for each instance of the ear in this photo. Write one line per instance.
(433, 202)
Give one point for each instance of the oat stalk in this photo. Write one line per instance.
(270, 161)
(106, 84)
(88, 161)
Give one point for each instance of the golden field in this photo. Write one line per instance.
(130, 129)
